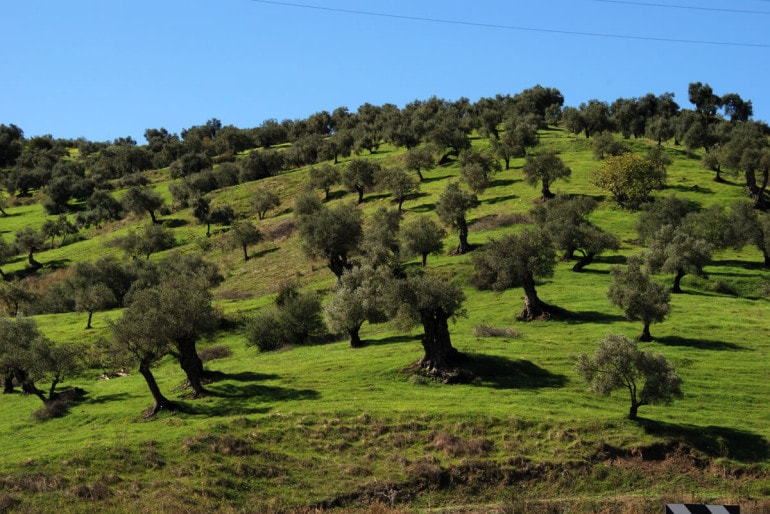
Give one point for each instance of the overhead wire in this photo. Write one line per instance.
(510, 27)
(685, 7)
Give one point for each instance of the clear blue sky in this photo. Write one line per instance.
(102, 69)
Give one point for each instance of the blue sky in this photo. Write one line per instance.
(102, 69)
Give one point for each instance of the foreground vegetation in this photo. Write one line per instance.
(327, 426)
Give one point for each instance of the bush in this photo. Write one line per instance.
(215, 352)
(51, 409)
(296, 319)
(489, 331)
(265, 331)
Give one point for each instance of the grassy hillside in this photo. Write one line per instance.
(329, 427)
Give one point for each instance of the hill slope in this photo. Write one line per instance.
(331, 427)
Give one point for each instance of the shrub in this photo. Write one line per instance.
(489, 331)
(265, 331)
(215, 352)
(51, 409)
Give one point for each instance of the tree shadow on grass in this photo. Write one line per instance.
(734, 263)
(692, 189)
(610, 259)
(591, 317)
(106, 398)
(502, 182)
(262, 253)
(701, 344)
(393, 340)
(435, 179)
(498, 199)
(240, 393)
(714, 441)
(175, 222)
(503, 373)
(423, 207)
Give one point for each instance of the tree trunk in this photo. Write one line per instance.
(245, 253)
(419, 174)
(28, 386)
(462, 226)
(534, 308)
(32, 261)
(8, 383)
(355, 339)
(634, 409)
(439, 352)
(677, 281)
(507, 163)
(584, 261)
(208, 229)
(153, 218)
(90, 315)
(751, 185)
(192, 365)
(338, 264)
(424, 259)
(360, 194)
(52, 389)
(646, 337)
(546, 191)
(161, 402)
(760, 203)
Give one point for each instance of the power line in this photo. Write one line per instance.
(511, 27)
(686, 7)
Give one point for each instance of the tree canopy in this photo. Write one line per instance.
(618, 363)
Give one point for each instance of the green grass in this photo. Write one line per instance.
(328, 426)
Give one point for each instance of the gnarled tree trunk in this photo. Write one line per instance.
(462, 227)
(534, 308)
(192, 366)
(646, 336)
(439, 352)
(161, 402)
(677, 288)
(355, 338)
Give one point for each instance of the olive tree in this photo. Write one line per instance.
(28, 356)
(545, 168)
(451, 207)
(244, 234)
(640, 297)
(141, 200)
(168, 318)
(565, 219)
(264, 200)
(431, 302)
(423, 236)
(419, 159)
(30, 241)
(674, 250)
(477, 168)
(324, 177)
(517, 260)
(331, 233)
(618, 363)
(400, 185)
(358, 297)
(358, 176)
